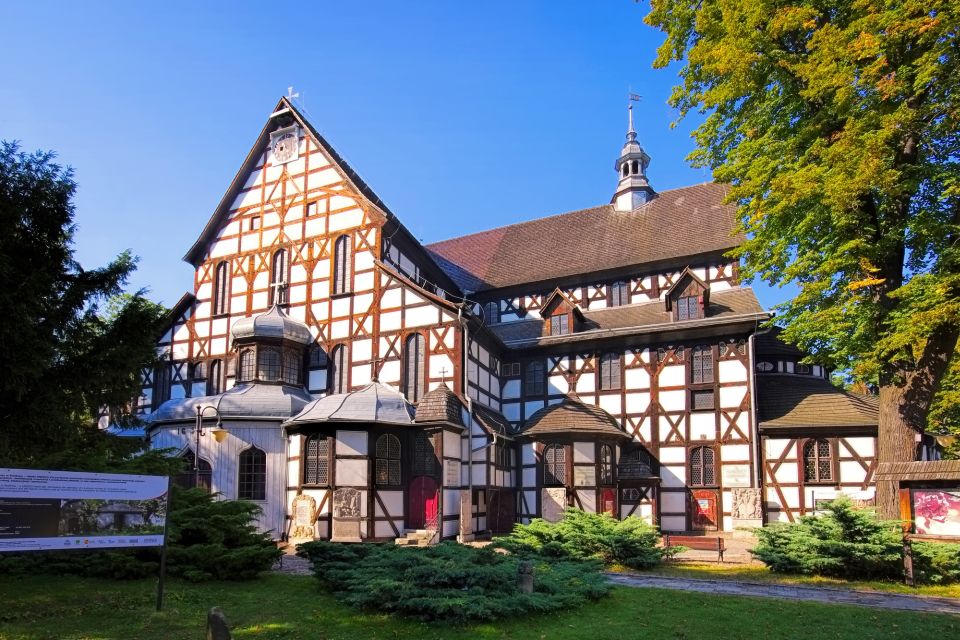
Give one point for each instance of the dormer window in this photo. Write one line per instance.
(688, 308)
(560, 314)
(559, 325)
(689, 297)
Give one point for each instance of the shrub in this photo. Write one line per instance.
(851, 543)
(630, 542)
(448, 581)
(206, 539)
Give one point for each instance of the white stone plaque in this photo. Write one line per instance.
(553, 502)
(453, 473)
(735, 475)
(304, 515)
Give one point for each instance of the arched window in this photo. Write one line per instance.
(702, 467)
(702, 364)
(387, 468)
(491, 312)
(190, 478)
(610, 371)
(414, 371)
(606, 464)
(214, 377)
(220, 289)
(635, 167)
(278, 277)
(338, 369)
(817, 461)
(554, 465)
(292, 366)
(341, 265)
(424, 456)
(268, 364)
(534, 380)
(316, 460)
(246, 365)
(635, 463)
(252, 481)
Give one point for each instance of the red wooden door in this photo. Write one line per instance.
(703, 510)
(608, 501)
(424, 502)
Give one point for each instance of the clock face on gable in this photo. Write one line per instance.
(285, 145)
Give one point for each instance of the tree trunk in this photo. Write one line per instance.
(896, 442)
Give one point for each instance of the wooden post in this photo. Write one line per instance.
(908, 562)
(163, 550)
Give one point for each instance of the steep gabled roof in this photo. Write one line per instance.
(675, 225)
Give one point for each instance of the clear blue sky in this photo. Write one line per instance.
(461, 116)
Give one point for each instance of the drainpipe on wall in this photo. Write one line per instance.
(754, 427)
(467, 536)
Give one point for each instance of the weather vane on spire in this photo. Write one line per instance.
(631, 98)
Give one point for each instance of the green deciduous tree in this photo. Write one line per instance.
(836, 125)
(70, 343)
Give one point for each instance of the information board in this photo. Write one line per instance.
(46, 510)
(936, 511)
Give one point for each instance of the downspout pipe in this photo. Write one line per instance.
(466, 394)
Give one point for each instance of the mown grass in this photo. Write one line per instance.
(293, 607)
(760, 573)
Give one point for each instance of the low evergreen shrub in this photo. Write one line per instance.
(207, 539)
(846, 542)
(630, 542)
(449, 582)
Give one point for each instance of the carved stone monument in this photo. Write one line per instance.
(747, 509)
(466, 517)
(346, 515)
(525, 576)
(553, 502)
(304, 517)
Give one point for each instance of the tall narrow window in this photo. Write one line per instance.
(341, 265)
(316, 460)
(387, 468)
(214, 377)
(606, 464)
(817, 461)
(220, 289)
(554, 465)
(619, 294)
(559, 325)
(292, 366)
(701, 364)
(425, 461)
(161, 384)
(246, 365)
(252, 480)
(702, 467)
(278, 278)
(534, 381)
(414, 373)
(491, 313)
(610, 371)
(190, 478)
(339, 357)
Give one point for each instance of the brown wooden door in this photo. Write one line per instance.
(703, 510)
(423, 502)
(501, 511)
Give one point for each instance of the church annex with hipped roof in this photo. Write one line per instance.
(359, 385)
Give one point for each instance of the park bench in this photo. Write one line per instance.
(700, 543)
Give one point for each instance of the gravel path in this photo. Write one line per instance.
(292, 565)
(928, 604)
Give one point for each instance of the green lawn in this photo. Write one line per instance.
(66, 608)
(760, 573)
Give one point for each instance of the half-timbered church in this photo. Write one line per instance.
(360, 385)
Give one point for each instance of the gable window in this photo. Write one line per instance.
(702, 467)
(268, 364)
(817, 461)
(619, 294)
(414, 373)
(341, 265)
(701, 364)
(424, 456)
(610, 371)
(316, 460)
(491, 312)
(554, 465)
(533, 383)
(246, 365)
(702, 400)
(220, 289)
(688, 308)
(338, 369)
(606, 464)
(214, 377)
(191, 478)
(278, 278)
(559, 325)
(252, 480)
(387, 468)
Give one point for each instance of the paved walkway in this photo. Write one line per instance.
(878, 600)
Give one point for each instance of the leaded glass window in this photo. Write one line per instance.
(189, 478)
(702, 400)
(424, 456)
(554, 465)
(338, 369)
(635, 463)
(559, 325)
(701, 364)
(619, 294)
(341, 265)
(161, 384)
(817, 461)
(292, 364)
(534, 382)
(610, 371)
(246, 365)
(215, 377)
(702, 467)
(491, 312)
(606, 464)
(415, 375)
(252, 481)
(268, 364)
(220, 289)
(387, 467)
(278, 276)
(316, 460)
(688, 308)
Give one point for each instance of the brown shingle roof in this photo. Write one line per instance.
(572, 416)
(677, 223)
(792, 401)
(919, 471)
(642, 317)
(439, 405)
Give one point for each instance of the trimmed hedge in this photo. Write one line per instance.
(630, 542)
(449, 581)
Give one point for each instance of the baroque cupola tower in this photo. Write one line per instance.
(633, 189)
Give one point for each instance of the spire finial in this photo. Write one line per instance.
(631, 132)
